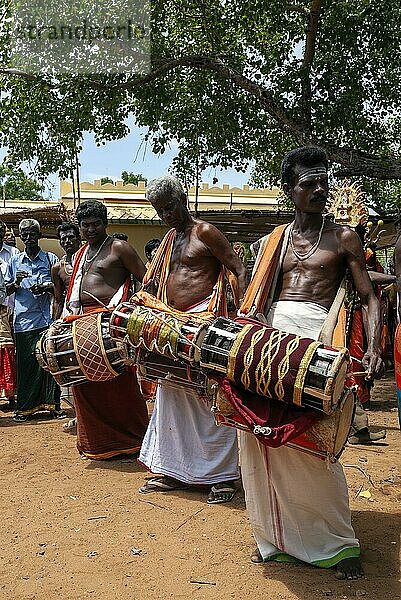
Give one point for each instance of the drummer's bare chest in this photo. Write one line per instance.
(188, 251)
(322, 265)
(107, 266)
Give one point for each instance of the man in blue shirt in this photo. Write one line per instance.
(29, 278)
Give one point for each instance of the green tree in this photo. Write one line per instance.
(16, 185)
(106, 180)
(232, 81)
(129, 177)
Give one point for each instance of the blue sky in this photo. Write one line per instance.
(129, 155)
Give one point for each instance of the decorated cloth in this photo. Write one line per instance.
(37, 390)
(8, 370)
(183, 441)
(111, 415)
(270, 362)
(298, 505)
(397, 364)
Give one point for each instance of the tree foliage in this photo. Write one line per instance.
(233, 81)
(135, 178)
(16, 185)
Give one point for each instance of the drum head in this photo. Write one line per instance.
(346, 409)
(335, 384)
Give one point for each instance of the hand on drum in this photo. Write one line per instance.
(373, 364)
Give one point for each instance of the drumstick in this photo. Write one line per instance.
(359, 373)
(108, 308)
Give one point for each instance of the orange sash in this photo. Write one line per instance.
(259, 287)
(159, 271)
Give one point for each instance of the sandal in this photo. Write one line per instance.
(221, 492)
(70, 426)
(18, 418)
(58, 414)
(161, 484)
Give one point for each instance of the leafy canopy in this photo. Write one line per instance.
(233, 81)
(16, 185)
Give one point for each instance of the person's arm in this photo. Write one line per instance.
(13, 277)
(3, 293)
(129, 259)
(355, 258)
(58, 286)
(381, 278)
(219, 246)
(397, 271)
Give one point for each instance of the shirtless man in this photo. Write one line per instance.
(298, 507)
(397, 337)
(70, 241)
(111, 415)
(182, 443)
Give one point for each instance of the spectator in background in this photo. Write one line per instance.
(70, 241)
(29, 278)
(120, 236)
(150, 250)
(9, 238)
(8, 371)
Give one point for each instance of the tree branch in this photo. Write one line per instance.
(352, 161)
(215, 65)
(18, 72)
(309, 54)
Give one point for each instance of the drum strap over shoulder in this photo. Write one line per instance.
(266, 269)
(334, 324)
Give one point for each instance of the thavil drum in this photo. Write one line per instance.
(275, 364)
(81, 351)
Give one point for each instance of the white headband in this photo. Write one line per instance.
(312, 173)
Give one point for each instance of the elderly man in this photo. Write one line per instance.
(182, 443)
(8, 372)
(298, 505)
(29, 278)
(111, 415)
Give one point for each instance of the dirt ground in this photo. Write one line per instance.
(75, 529)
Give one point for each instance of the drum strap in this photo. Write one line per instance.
(326, 333)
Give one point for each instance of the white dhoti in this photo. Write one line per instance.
(182, 440)
(297, 504)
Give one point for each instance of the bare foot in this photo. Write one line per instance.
(349, 568)
(256, 556)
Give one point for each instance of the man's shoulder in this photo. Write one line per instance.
(343, 232)
(121, 247)
(11, 250)
(16, 257)
(206, 231)
(53, 258)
